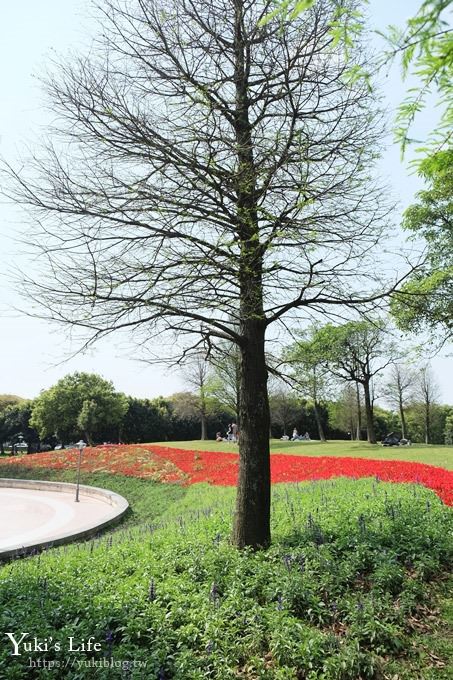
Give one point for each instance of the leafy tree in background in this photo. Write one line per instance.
(285, 409)
(147, 420)
(448, 431)
(309, 374)
(15, 420)
(426, 299)
(81, 402)
(213, 178)
(355, 352)
(415, 418)
(186, 406)
(6, 400)
(345, 412)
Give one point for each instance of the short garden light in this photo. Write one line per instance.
(80, 445)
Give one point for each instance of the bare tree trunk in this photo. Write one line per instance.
(359, 415)
(253, 501)
(204, 427)
(252, 520)
(427, 422)
(371, 437)
(402, 419)
(238, 396)
(322, 436)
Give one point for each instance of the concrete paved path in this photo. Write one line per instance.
(30, 517)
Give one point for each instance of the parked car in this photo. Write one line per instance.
(391, 439)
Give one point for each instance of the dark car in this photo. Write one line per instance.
(391, 439)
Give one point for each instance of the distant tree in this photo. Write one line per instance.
(9, 399)
(399, 390)
(385, 421)
(225, 380)
(356, 352)
(426, 300)
(415, 418)
(147, 420)
(448, 431)
(197, 374)
(76, 404)
(5, 401)
(427, 392)
(344, 412)
(308, 374)
(15, 420)
(285, 409)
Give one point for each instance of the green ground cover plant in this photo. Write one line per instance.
(353, 586)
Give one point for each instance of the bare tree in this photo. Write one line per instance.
(427, 391)
(208, 177)
(284, 408)
(226, 379)
(309, 374)
(398, 391)
(196, 374)
(343, 412)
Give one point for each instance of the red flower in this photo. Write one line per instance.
(167, 464)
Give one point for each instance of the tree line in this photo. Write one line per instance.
(86, 405)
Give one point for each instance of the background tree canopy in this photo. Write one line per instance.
(81, 403)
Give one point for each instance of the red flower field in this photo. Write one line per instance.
(171, 465)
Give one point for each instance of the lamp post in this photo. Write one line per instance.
(80, 445)
(19, 444)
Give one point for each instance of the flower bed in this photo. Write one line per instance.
(172, 465)
(132, 460)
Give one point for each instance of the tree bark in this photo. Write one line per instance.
(402, 419)
(371, 437)
(427, 423)
(204, 427)
(252, 519)
(322, 436)
(359, 416)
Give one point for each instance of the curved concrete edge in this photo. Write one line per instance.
(119, 508)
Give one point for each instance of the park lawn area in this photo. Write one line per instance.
(355, 585)
(432, 454)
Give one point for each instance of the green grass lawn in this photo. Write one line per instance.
(441, 456)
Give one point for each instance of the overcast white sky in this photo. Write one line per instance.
(31, 34)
